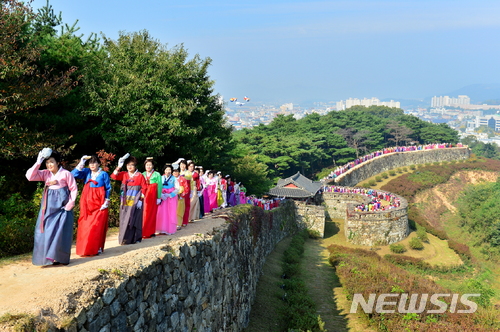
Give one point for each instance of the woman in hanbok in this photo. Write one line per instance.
(183, 188)
(230, 191)
(212, 190)
(206, 194)
(166, 219)
(194, 212)
(218, 178)
(132, 195)
(188, 175)
(243, 194)
(200, 188)
(93, 221)
(54, 226)
(235, 198)
(223, 188)
(152, 198)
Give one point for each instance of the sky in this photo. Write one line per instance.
(277, 51)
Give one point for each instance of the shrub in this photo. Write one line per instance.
(364, 272)
(405, 169)
(399, 170)
(436, 163)
(416, 244)
(300, 310)
(397, 248)
(378, 178)
(372, 183)
(313, 234)
(392, 173)
(413, 167)
(17, 224)
(385, 175)
(366, 185)
(422, 234)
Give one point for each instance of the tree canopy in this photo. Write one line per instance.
(307, 145)
(155, 101)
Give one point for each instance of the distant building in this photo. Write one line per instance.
(449, 101)
(343, 105)
(286, 107)
(492, 121)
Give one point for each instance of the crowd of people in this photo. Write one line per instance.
(151, 203)
(376, 197)
(342, 169)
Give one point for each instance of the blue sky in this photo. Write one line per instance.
(298, 51)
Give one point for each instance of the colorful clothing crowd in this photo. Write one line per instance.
(266, 204)
(151, 203)
(342, 169)
(376, 198)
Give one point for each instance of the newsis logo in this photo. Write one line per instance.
(406, 303)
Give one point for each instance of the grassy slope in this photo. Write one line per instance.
(324, 286)
(265, 312)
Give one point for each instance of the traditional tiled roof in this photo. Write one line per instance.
(296, 186)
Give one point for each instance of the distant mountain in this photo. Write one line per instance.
(478, 93)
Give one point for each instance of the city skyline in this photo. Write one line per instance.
(297, 51)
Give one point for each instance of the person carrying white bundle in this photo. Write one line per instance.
(54, 226)
(93, 221)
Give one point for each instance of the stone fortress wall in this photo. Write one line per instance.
(367, 228)
(202, 285)
(390, 161)
(380, 227)
(209, 283)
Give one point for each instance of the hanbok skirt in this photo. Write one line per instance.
(232, 199)
(93, 222)
(220, 199)
(54, 229)
(212, 196)
(202, 205)
(194, 212)
(243, 199)
(166, 219)
(150, 210)
(187, 205)
(181, 208)
(130, 215)
(206, 200)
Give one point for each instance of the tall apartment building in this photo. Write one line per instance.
(343, 105)
(449, 101)
(492, 121)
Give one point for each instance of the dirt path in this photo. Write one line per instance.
(25, 288)
(321, 282)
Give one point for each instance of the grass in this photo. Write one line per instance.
(454, 230)
(15, 259)
(267, 305)
(321, 282)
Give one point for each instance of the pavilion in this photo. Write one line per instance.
(296, 186)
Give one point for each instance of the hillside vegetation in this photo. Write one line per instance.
(308, 145)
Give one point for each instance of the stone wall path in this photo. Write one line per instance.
(51, 290)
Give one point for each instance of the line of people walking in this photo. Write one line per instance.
(151, 203)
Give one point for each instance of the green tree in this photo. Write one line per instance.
(155, 101)
(400, 134)
(25, 81)
(440, 133)
(355, 139)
